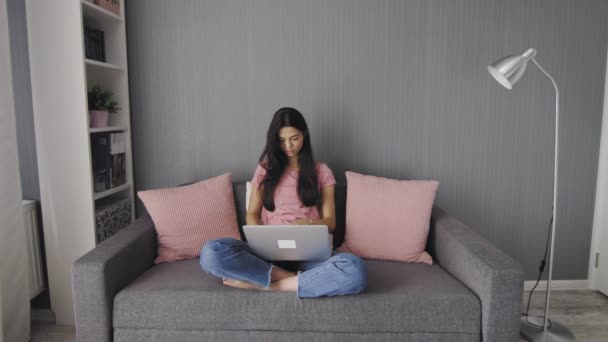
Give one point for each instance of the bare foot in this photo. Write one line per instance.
(286, 284)
(240, 284)
(279, 273)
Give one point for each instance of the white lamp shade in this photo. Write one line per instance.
(509, 70)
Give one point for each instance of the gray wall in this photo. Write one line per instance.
(24, 114)
(391, 88)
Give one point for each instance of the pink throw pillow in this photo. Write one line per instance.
(388, 219)
(188, 216)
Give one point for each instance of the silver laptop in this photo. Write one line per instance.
(289, 242)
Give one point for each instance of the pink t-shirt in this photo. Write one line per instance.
(287, 203)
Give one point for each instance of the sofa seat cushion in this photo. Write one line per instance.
(400, 298)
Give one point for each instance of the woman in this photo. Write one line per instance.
(288, 187)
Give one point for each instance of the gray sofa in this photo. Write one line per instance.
(472, 292)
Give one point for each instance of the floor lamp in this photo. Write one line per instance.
(507, 71)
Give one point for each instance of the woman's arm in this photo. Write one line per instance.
(255, 207)
(328, 210)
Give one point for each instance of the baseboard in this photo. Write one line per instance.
(582, 284)
(42, 316)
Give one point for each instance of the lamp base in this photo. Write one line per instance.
(532, 330)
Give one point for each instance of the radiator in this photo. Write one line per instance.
(34, 262)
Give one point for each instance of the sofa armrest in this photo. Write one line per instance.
(101, 273)
(496, 278)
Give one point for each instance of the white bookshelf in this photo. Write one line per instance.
(61, 77)
(101, 66)
(108, 129)
(117, 189)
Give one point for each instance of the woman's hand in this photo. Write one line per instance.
(301, 221)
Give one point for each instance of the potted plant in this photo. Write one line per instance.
(101, 104)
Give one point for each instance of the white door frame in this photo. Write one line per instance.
(15, 302)
(600, 218)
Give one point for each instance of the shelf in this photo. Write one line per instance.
(99, 195)
(27, 202)
(62, 74)
(96, 65)
(90, 10)
(107, 129)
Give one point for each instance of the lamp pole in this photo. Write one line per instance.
(508, 71)
(555, 173)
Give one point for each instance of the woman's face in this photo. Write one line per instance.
(292, 140)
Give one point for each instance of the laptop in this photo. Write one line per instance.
(289, 242)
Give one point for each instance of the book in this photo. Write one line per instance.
(119, 169)
(101, 163)
(94, 44)
(117, 143)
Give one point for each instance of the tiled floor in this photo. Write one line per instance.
(585, 313)
(52, 333)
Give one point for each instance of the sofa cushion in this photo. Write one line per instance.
(186, 217)
(388, 219)
(400, 298)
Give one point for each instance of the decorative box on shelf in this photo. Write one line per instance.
(111, 215)
(110, 5)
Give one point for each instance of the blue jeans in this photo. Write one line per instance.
(342, 274)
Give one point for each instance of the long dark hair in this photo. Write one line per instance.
(275, 161)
